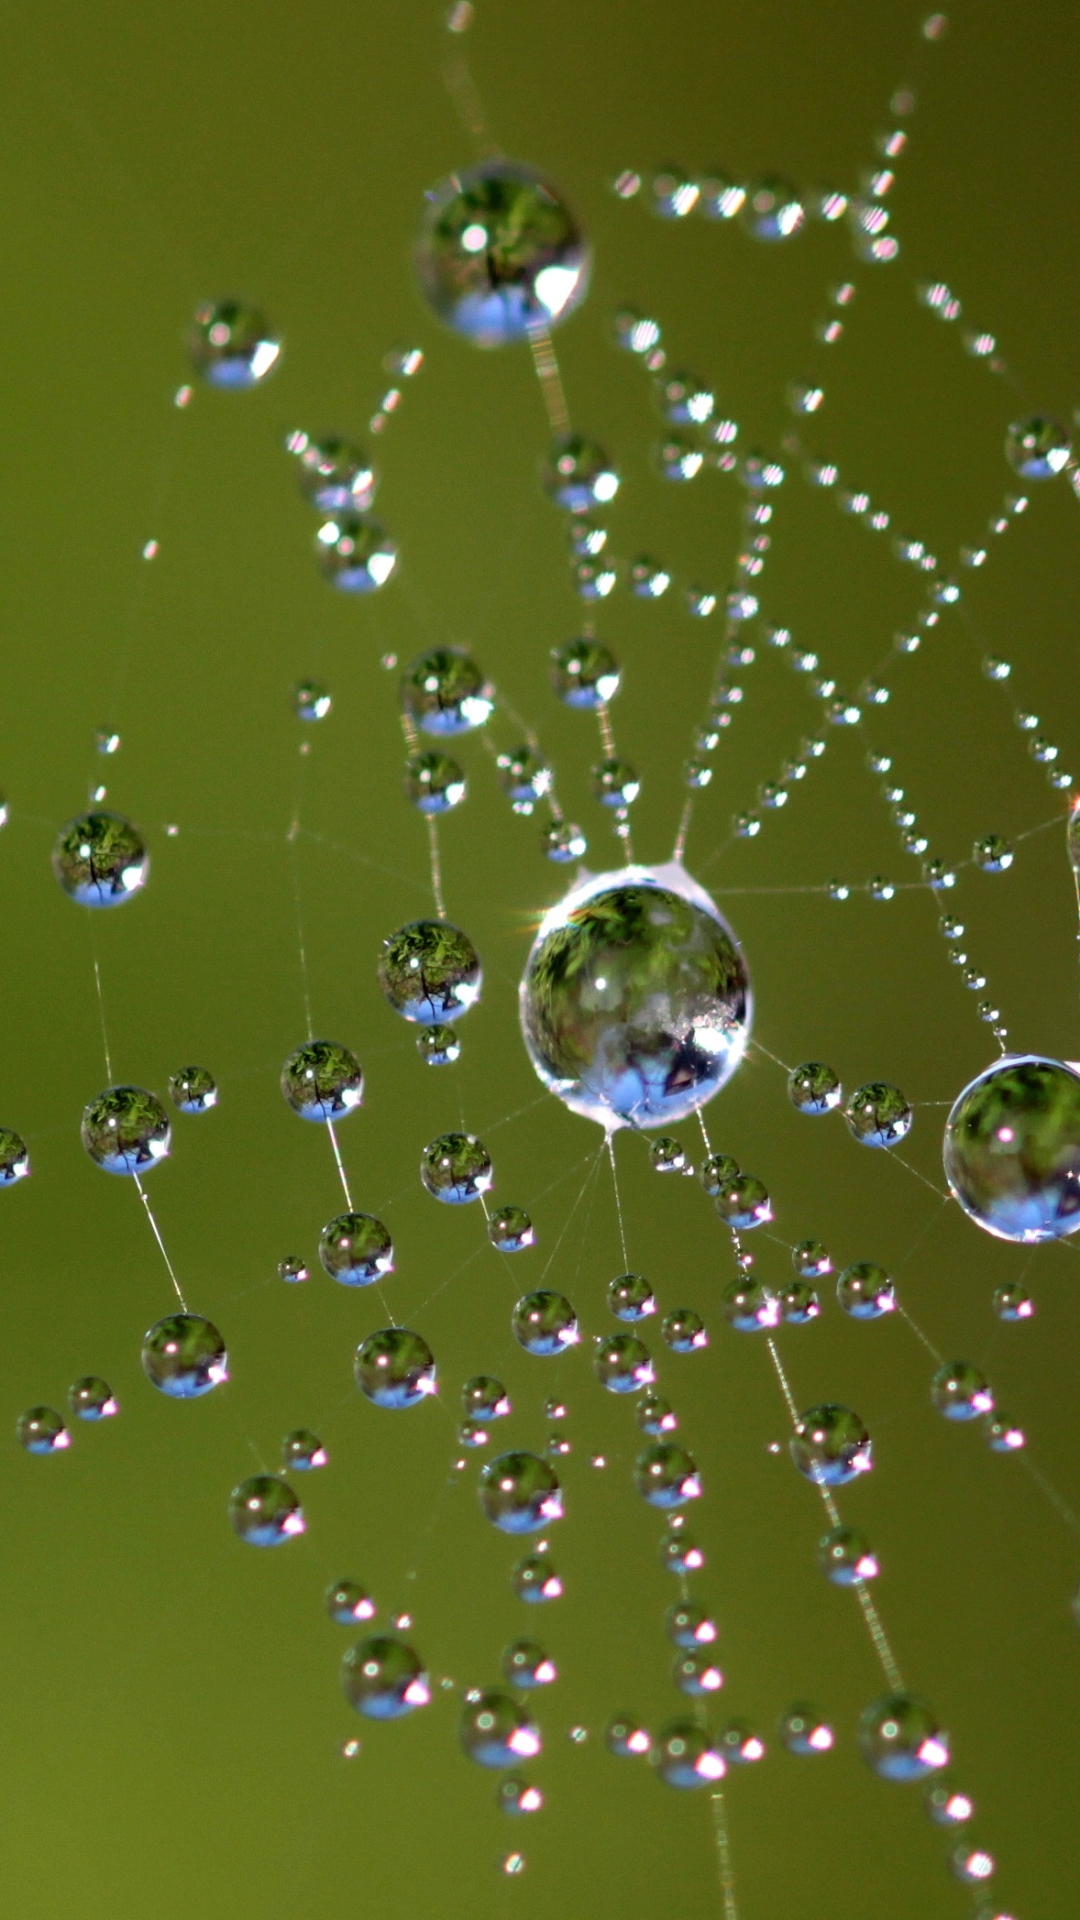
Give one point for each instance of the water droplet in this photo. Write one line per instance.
(14, 1157)
(193, 1090)
(810, 1260)
(865, 1291)
(679, 1551)
(561, 841)
(512, 1863)
(323, 1081)
(749, 1307)
(350, 1749)
(100, 860)
(900, 1739)
(830, 1445)
(107, 740)
(41, 1430)
(666, 1475)
(615, 783)
(525, 1664)
(1037, 448)
(743, 1202)
(335, 475)
(1012, 1149)
(578, 475)
(585, 674)
(517, 1796)
(845, 1557)
(772, 209)
(534, 1578)
(545, 1323)
(1002, 1434)
(126, 1130)
(510, 1230)
(395, 1368)
(684, 1756)
(520, 1493)
(384, 1678)
(92, 1399)
(311, 700)
(667, 1155)
(444, 691)
(292, 1268)
(456, 1168)
(798, 1303)
(484, 1398)
(303, 1450)
(1012, 1301)
(814, 1088)
(434, 782)
(655, 1415)
(689, 1626)
(626, 1737)
(184, 1356)
(472, 1434)
(721, 198)
(232, 345)
(630, 1297)
(696, 1673)
(674, 193)
(356, 1249)
(500, 253)
(524, 778)
(878, 1114)
(356, 554)
(716, 1171)
(945, 1805)
(684, 1331)
(960, 1391)
(678, 456)
(347, 1602)
(635, 1001)
(265, 1511)
(740, 1745)
(438, 1046)
(622, 1363)
(430, 972)
(805, 1731)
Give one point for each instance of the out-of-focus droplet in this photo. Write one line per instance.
(265, 1511)
(500, 254)
(232, 345)
(830, 1445)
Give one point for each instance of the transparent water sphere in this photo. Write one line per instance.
(804, 1731)
(384, 1678)
(265, 1511)
(534, 1579)
(92, 1398)
(679, 1551)
(434, 782)
(1038, 448)
(335, 475)
(438, 1046)
(878, 1114)
(193, 1090)
(635, 1002)
(443, 691)
(14, 1157)
(545, 1323)
(845, 1557)
(430, 972)
(630, 1297)
(1012, 1301)
(311, 700)
(322, 1081)
(811, 1260)
(356, 1249)
(232, 345)
(814, 1088)
(684, 1331)
(347, 1603)
(356, 554)
(525, 1664)
(798, 1303)
(100, 860)
(126, 1130)
(684, 1756)
(748, 1306)
(484, 1398)
(772, 209)
(718, 1168)
(688, 1625)
(510, 1230)
(395, 1368)
(666, 1475)
(293, 1269)
(303, 1451)
(743, 1202)
(496, 1730)
(520, 1493)
(696, 1673)
(184, 1356)
(578, 475)
(900, 1739)
(655, 1415)
(1012, 1149)
(625, 1737)
(623, 1363)
(585, 674)
(831, 1446)
(517, 1796)
(456, 1168)
(41, 1430)
(524, 778)
(500, 254)
(865, 1291)
(961, 1391)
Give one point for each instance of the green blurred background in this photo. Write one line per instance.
(171, 1718)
